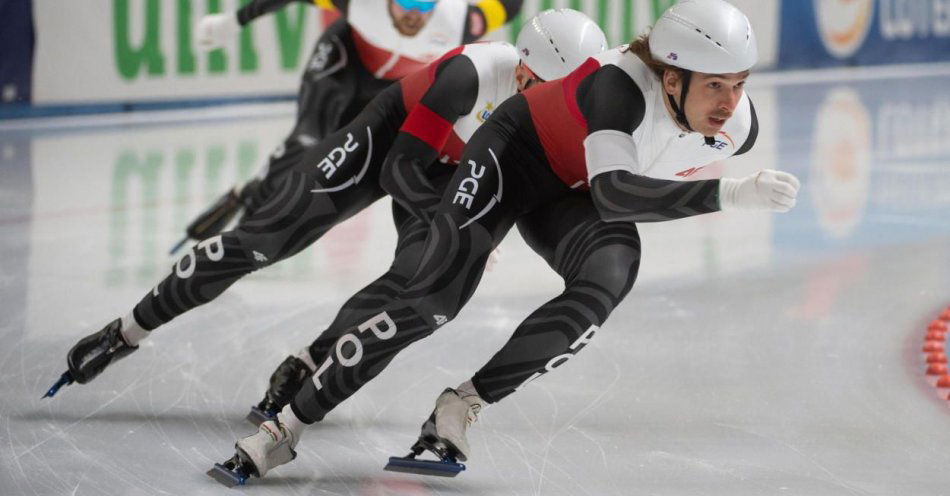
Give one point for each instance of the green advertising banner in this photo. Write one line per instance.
(140, 50)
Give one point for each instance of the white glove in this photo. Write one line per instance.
(765, 190)
(215, 30)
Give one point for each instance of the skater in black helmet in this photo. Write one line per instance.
(576, 163)
(372, 44)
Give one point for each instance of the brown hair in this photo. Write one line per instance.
(641, 48)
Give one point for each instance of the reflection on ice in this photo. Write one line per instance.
(757, 354)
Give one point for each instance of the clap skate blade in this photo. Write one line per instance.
(234, 472)
(446, 466)
(64, 380)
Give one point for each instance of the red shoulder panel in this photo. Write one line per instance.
(560, 125)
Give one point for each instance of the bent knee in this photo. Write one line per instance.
(612, 268)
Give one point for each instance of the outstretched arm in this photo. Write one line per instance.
(257, 8)
(620, 195)
(425, 132)
(619, 190)
(214, 30)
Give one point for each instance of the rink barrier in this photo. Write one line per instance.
(27, 111)
(934, 349)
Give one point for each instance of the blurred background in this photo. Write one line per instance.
(757, 353)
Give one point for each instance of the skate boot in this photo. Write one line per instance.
(284, 384)
(92, 354)
(443, 434)
(272, 446)
(215, 218)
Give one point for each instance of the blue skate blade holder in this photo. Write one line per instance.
(64, 380)
(258, 416)
(228, 477)
(410, 465)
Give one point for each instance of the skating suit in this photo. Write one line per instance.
(340, 176)
(528, 165)
(361, 53)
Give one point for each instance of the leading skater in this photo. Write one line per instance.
(579, 161)
(374, 43)
(424, 117)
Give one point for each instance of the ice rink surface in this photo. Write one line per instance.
(758, 354)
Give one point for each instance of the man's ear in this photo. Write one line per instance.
(671, 82)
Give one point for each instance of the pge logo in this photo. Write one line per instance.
(843, 24)
(335, 158)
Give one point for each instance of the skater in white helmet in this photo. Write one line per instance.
(370, 45)
(576, 163)
(459, 93)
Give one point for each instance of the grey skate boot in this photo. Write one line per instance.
(454, 413)
(271, 446)
(443, 434)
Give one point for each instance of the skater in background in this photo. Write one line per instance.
(411, 129)
(576, 162)
(372, 44)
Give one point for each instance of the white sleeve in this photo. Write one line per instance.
(609, 150)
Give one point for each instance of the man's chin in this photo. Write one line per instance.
(408, 30)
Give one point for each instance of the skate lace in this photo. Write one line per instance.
(473, 411)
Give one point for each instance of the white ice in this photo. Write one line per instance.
(758, 354)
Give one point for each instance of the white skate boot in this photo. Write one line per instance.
(454, 413)
(443, 434)
(271, 446)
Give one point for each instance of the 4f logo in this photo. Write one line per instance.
(335, 158)
(689, 172)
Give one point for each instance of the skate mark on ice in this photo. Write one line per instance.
(61, 431)
(834, 478)
(573, 420)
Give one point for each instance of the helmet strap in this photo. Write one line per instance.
(680, 109)
(685, 76)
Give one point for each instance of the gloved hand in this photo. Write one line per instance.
(215, 30)
(765, 190)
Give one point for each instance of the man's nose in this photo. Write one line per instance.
(729, 101)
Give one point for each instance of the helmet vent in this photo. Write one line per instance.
(700, 31)
(558, 52)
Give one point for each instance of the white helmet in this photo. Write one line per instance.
(555, 42)
(710, 36)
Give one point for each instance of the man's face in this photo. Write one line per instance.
(410, 16)
(711, 99)
(525, 77)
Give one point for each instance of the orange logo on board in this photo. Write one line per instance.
(843, 24)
